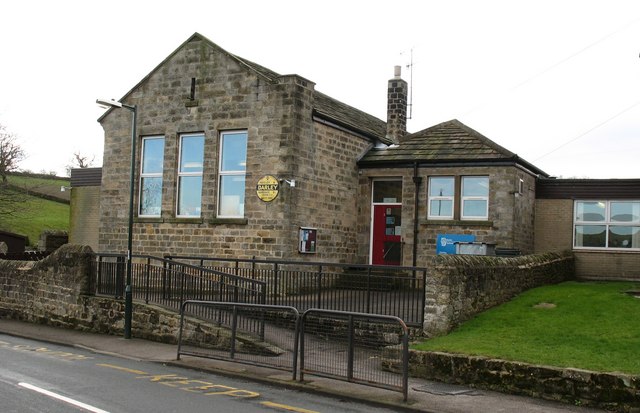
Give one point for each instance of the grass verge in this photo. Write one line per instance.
(587, 325)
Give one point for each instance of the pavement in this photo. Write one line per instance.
(424, 396)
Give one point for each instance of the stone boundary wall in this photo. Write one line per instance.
(59, 291)
(610, 391)
(461, 286)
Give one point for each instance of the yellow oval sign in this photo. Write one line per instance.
(268, 188)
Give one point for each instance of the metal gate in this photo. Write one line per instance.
(258, 334)
(356, 347)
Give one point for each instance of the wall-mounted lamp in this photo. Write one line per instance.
(292, 183)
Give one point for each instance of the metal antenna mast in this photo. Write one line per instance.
(410, 67)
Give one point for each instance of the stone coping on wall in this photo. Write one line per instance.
(461, 286)
(611, 391)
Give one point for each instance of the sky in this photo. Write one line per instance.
(556, 82)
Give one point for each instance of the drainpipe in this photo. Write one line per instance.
(417, 180)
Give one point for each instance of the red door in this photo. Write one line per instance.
(387, 235)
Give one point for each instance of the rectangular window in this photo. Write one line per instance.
(232, 172)
(441, 197)
(387, 191)
(190, 175)
(607, 224)
(151, 176)
(475, 198)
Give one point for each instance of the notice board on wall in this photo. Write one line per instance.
(307, 242)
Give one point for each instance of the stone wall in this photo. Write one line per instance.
(610, 391)
(461, 286)
(58, 291)
(50, 240)
(324, 196)
(47, 290)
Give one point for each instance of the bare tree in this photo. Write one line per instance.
(80, 161)
(83, 161)
(11, 153)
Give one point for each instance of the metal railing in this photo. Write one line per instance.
(353, 347)
(262, 335)
(170, 283)
(387, 290)
(366, 349)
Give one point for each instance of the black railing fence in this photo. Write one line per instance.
(260, 334)
(355, 347)
(351, 312)
(170, 283)
(386, 290)
(359, 348)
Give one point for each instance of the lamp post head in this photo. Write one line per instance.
(108, 103)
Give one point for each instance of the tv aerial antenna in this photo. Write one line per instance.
(410, 67)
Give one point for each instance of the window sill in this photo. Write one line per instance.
(231, 221)
(603, 250)
(184, 220)
(459, 223)
(148, 220)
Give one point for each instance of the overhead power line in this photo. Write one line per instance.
(589, 130)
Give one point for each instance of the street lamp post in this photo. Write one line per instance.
(128, 296)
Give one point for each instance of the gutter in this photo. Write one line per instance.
(455, 164)
(417, 180)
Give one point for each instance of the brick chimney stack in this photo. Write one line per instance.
(397, 107)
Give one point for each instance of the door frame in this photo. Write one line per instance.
(373, 204)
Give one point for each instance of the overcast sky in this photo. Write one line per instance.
(557, 82)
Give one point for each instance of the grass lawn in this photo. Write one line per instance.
(589, 325)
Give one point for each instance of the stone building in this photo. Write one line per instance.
(449, 179)
(211, 125)
(235, 160)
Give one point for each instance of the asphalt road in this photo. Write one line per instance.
(47, 378)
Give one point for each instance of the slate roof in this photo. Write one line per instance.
(86, 177)
(346, 116)
(450, 142)
(324, 106)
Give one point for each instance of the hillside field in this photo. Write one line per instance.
(36, 214)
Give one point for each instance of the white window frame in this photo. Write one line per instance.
(222, 173)
(187, 174)
(144, 175)
(451, 198)
(474, 198)
(607, 223)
